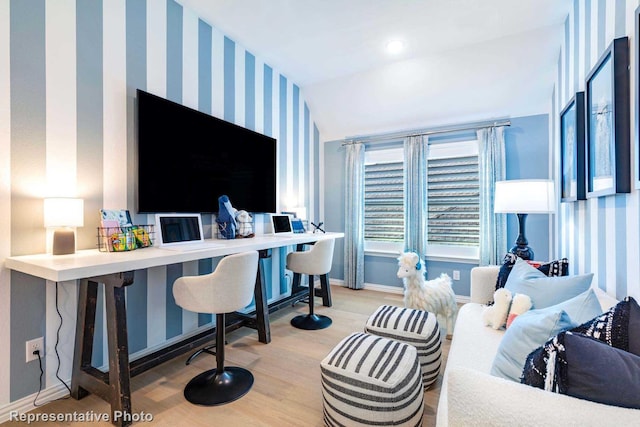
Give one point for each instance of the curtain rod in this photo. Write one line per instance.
(386, 137)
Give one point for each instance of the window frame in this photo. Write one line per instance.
(437, 252)
(453, 149)
(388, 154)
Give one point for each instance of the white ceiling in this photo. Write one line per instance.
(465, 60)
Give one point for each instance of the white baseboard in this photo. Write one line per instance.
(25, 404)
(460, 299)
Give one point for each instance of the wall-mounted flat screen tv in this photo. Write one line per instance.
(187, 159)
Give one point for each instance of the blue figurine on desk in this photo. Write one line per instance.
(226, 218)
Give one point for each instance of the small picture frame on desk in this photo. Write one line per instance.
(298, 226)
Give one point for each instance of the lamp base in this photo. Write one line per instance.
(64, 242)
(524, 252)
(521, 249)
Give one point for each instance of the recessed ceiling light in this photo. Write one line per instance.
(395, 46)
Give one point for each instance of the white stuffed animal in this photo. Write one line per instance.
(520, 304)
(245, 226)
(496, 315)
(435, 296)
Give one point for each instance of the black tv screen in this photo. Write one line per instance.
(187, 159)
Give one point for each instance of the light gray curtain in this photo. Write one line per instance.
(415, 200)
(491, 168)
(354, 217)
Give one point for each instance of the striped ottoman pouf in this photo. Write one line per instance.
(371, 380)
(416, 327)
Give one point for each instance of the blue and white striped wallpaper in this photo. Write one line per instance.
(69, 70)
(598, 235)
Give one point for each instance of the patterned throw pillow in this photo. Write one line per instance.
(584, 367)
(618, 327)
(555, 268)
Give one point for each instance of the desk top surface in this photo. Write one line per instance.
(92, 263)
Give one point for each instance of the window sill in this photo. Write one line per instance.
(382, 253)
(452, 258)
(447, 258)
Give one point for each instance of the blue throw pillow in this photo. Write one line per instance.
(545, 291)
(588, 368)
(580, 309)
(527, 332)
(600, 373)
(618, 327)
(559, 267)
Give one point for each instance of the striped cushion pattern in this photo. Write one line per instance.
(373, 381)
(416, 327)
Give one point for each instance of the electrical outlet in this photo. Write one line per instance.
(456, 274)
(33, 345)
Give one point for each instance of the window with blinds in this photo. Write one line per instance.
(384, 197)
(384, 202)
(453, 201)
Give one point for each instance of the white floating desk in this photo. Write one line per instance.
(92, 263)
(116, 271)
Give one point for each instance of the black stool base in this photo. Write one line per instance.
(310, 322)
(211, 389)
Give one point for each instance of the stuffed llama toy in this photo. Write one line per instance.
(496, 315)
(520, 304)
(435, 296)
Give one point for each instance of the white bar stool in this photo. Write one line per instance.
(229, 288)
(315, 262)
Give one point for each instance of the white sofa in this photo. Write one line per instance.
(471, 396)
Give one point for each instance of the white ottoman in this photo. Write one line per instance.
(416, 327)
(371, 380)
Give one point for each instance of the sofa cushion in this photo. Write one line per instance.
(581, 308)
(584, 367)
(559, 267)
(618, 327)
(528, 331)
(598, 372)
(545, 291)
(514, 349)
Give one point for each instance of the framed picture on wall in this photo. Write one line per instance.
(572, 150)
(607, 122)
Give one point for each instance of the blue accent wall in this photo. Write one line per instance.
(229, 80)
(525, 139)
(527, 157)
(205, 72)
(250, 91)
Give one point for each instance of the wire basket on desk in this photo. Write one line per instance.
(120, 239)
(243, 230)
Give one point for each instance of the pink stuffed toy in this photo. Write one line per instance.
(520, 304)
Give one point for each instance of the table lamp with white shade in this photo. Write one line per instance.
(522, 197)
(63, 214)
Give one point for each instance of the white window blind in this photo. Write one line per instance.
(453, 198)
(384, 196)
(383, 202)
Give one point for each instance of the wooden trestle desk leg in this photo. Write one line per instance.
(114, 386)
(326, 290)
(260, 295)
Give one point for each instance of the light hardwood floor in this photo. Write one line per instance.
(286, 391)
